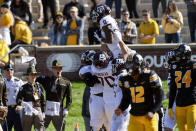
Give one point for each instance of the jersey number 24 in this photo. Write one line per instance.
(186, 79)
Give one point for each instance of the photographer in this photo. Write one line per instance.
(172, 23)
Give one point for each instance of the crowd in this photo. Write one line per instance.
(68, 26)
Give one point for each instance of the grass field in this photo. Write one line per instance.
(75, 116)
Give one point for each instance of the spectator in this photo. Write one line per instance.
(191, 13)
(48, 4)
(20, 8)
(21, 32)
(4, 49)
(118, 4)
(6, 21)
(67, 7)
(13, 85)
(132, 7)
(74, 29)
(57, 32)
(128, 28)
(93, 27)
(155, 6)
(172, 23)
(148, 29)
(40, 9)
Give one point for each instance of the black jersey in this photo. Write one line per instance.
(183, 84)
(144, 95)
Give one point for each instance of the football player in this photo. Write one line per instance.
(119, 123)
(96, 104)
(183, 89)
(110, 34)
(169, 61)
(142, 88)
(102, 68)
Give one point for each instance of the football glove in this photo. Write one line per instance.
(171, 113)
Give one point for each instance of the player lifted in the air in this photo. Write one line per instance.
(110, 33)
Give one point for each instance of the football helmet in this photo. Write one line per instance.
(87, 57)
(99, 12)
(169, 58)
(117, 65)
(183, 53)
(136, 64)
(100, 60)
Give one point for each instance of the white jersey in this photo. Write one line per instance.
(118, 90)
(114, 46)
(107, 80)
(97, 88)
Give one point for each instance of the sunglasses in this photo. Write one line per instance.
(59, 17)
(9, 69)
(144, 14)
(125, 14)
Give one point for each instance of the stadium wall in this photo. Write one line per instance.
(70, 57)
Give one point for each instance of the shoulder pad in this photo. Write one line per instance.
(153, 76)
(16, 79)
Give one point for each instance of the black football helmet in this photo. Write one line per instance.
(87, 57)
(136, 64)
(183, 53)
(169, 58)
(99, 12)
(100, 60)
(117, 65)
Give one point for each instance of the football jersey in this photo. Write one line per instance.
(140, 94)
(114, 47)
(183, 84)
(117, 89)
(97, 88)
(107, 80)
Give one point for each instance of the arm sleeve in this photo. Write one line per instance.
(68, 95)
(125, 99)
(163, 23)
(5, 98)
(42, 99)
(89, 79)
(156, 28)
(134, 30)
(156, 85)
(126, 96)
(172, 93)
(81, 30)
(179, 21)
(18, 33)
(20, 96)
